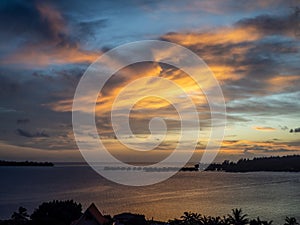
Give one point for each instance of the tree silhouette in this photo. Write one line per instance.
(21, 217)
(291, 221)
(256, 221)
(260, 222)
(273, 163)
(191, 218)
(176, 222)
(238, 218)
(205, 220)
(267, 222)
(216, 221)
(56, 212)
(65, 212)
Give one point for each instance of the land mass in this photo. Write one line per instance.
(24, 163)
(275, 163)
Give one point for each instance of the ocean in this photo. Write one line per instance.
(270, 195)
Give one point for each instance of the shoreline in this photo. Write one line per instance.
(4, 163)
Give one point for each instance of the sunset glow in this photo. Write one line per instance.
(252, 49)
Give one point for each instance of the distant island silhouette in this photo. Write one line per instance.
(25, 163)
(289, 163)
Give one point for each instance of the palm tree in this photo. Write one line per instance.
(20, 217)
(225, 220)
(191, 218)
(267, 222)
(238, 218)
(216, 221)
(175, 222)
(205, 220)
(260, 222)
(291, 221)
(256, 221)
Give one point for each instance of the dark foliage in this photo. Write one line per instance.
(20, 217)
(65, 212)
(237, 217)
(291, 221)
(56, 212)
(48, 213)
(296, 130)
(285, 163)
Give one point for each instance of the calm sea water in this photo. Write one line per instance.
(270, 195)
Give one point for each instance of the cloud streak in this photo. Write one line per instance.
(268, 129)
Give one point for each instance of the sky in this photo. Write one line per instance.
(252, 47)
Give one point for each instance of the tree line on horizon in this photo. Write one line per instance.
(290, 163)
(65, 212)
(24, 163)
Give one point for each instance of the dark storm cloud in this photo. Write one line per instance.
(8, 85)
(28, 93)
(90, 28)
(272, 25)
(39, 34)
(28, 134)
(269, 56)
(44, 21)
(23, 121)
(283, 104)
(24, 19)
(259, 54)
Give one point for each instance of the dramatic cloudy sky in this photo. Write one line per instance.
(252, 47)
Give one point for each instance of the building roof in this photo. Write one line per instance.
(91, 211)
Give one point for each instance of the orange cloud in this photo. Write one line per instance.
(113, 87)
(264, 128)
(61, 106)
(124, 77)
(211, 46)
(258, 147)
(34, 56)
(220, 36)
(281, 82)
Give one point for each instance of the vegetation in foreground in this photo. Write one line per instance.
(237, 217)
(64, 212)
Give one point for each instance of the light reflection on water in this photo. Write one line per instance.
(269, 195)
